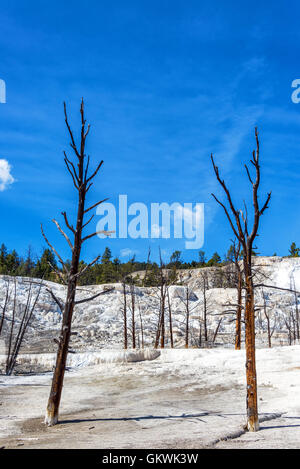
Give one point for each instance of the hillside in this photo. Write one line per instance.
(99, 323)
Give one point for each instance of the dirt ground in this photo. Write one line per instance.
(194, 401)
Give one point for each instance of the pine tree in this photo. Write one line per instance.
(294, 251)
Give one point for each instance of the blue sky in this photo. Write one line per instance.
(165, 84)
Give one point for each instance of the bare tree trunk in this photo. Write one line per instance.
(217, 330)
(187, 319)
(132, 291)
(200, 335)
(158, 330)
(6, 301)
(205, 312)
(142, 327)
(170, 320)
(252, 410)
(62, 353)
(238, 314)
(238, 221)
(125, 315)
(82, 183)
(162, 305)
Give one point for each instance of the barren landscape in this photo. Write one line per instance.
(153, 398)
(181, 399)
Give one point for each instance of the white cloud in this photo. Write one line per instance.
(5, 175)
(127, 252)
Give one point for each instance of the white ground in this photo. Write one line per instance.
(182, 399)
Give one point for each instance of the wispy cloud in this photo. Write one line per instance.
(127, 252)
(5, 175)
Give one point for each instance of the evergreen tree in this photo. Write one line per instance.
(175, 259)
(106, 256)
(43, 267)
(3, 255)
(202, 258)
(215, 260)
(294, 251)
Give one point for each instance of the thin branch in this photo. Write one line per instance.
(107, 233)
(53, 249)
(71, 228)
(94, 296)
(63, 233)
(95, 205)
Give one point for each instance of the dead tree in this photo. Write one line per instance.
(297, 325)
(270, 330)
(170, 320)
(18, 322)
(124, 308)
(187, 318)
(4, 307)
(188, 309)
(132, 309)
(160, 332)
(19, 327)
(205, 312)
(82, 181)
(165, 281)
(217, 330)
(239, 224)
(140, 308)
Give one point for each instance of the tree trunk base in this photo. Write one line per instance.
(253, 425)
(50, 420)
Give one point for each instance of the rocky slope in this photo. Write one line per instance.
(99, 323)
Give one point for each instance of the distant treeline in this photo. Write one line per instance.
(107, 269)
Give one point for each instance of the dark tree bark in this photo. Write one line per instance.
(204, 288)
(187, 319)
(6, 301)
(217, 330)
(170, 320)
(82, 182)
(125, 314)
(132, 294)
(239, 224)
(236, 253)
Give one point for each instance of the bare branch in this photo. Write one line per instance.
(94, 296)
(107, 233)
(53, 249)
(63, 233)
(95, 205)
(95, 172)
(71, 228)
